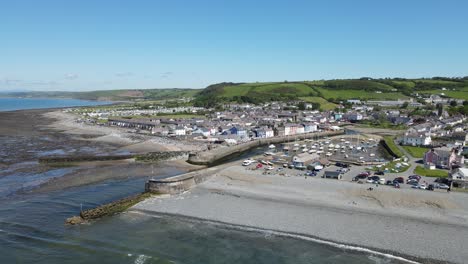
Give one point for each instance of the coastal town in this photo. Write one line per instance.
(408, 139)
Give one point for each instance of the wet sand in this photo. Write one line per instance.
(27, 135)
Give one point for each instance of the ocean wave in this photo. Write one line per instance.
(270, 233)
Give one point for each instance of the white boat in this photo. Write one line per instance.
(319, 151)
(337, 146)
(321, 148)
(304, 146)
(331, 146)
(351, 147)
(361, 158)
(286, 148)
(327, 142)
(343, 151)
(312, 151)
(343, 147)
(372, 154)
(347, 142)
(342, 140)
(313, 147)
(296, 145)
(305, 149)
(346, 156)
(271, 146)
(328, 154)
(296, 149)
(358, 148)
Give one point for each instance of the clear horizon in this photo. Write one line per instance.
(88, 45)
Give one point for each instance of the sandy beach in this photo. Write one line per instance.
(431, 227)
(135, 143)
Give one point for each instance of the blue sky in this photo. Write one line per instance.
(91, 45)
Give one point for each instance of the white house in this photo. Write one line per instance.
(416, 139)
(179, 131)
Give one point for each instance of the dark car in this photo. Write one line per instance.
(389, 183)
(362, 176)
(379, 173)
(342, 165)
(417, 177)
(399, 180)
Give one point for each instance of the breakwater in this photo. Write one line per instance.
(108, 209)
(212, 157)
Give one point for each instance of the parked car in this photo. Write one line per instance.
(379, 173)
(342, 165)
(419, 186)
(417, 177)
(374, 179)
(269, 167)
(399, 180)
(412, 181)
(442, 186)
(247, 162)
(343, 170)
(389, 182)
(362, 176)
(381, 181)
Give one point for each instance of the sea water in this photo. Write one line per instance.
(10, 104)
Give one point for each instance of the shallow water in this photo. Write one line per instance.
(32, 231)
(10, 104)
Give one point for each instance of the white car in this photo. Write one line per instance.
(382, 181)
(269, 168)
(247, 162)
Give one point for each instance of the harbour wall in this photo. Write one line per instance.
(212, 157)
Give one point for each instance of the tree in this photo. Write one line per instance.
(301, 106)
(405, 105)
(453, 103)
(440, 109)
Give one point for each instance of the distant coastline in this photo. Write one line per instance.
(18, 103)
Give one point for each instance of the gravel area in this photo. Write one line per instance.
(429, 226)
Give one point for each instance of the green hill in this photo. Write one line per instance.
(113, 95)
(327, 93)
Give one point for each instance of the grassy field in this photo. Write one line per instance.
(358, 94)
(391, 167)
(416, 152)
(459, 94)
(252, 89)
(393, 147)
(324, 104)
(430, 173)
